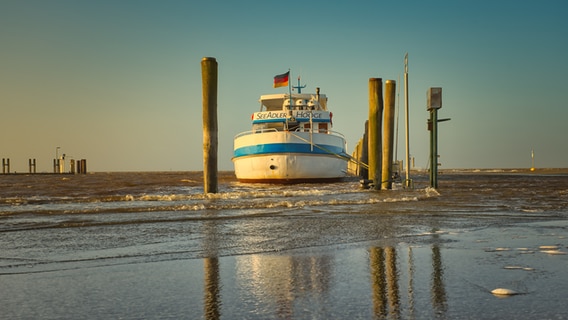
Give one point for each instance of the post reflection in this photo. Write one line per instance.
(384, 274)
(438, 289)
(386, 278)
(378, 276)
(278, 286)
(212, 296)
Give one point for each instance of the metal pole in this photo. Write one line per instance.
(434, 149)
(407, 182)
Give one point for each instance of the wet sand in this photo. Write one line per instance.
(443, 272)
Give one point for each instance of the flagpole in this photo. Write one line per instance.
(290, 87)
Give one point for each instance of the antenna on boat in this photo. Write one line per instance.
(299, 87)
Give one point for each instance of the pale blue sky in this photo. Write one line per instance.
(119, 82)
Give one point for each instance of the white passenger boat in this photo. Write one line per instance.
(291, 141)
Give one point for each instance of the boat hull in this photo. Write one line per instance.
(289, 157)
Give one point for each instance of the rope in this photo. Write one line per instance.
(341, 156)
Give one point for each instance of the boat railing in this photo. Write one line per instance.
(266, 130)
(331, 132)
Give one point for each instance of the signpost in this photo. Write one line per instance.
(434, 102)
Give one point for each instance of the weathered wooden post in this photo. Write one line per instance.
(32, 165)
(388, 134)
(210, 138)
(358, 157)
(6, 165)
(84, 166)
(375, 126)
(364, 172)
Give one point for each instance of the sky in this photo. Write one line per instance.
(119, 82)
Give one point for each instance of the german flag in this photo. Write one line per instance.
(281, 80)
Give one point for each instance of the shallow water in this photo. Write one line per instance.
(152, 245)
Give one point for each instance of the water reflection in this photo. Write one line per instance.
(211, 279)
(438, 290)
(212, 298)
(384, 275)
(276, 285)
(380, 282)
(386, 282)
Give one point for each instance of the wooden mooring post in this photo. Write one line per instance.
(364, 172)
(82, 166)
(210, 136)
(388, 134)
(32, 165)
(6, 165)
(375, 126)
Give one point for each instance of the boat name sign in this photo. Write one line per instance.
(298, 114)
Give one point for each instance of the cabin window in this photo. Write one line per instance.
(322, 127)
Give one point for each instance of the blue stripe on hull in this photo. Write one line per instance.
(287, 148)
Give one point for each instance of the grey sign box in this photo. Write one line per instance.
(434, 96)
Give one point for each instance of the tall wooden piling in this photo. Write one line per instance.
(210, 137)
(388, 134)
(375, 126)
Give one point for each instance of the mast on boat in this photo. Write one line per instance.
(299, 87)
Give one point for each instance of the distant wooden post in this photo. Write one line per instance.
(364, 171)
(32, 164)
(82, 166)
(388, 135)
(210, 138)
(358, 158)
(6, 165)
(375, 126)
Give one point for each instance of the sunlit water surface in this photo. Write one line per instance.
(152, 245)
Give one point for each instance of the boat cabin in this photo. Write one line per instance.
(303, 112)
